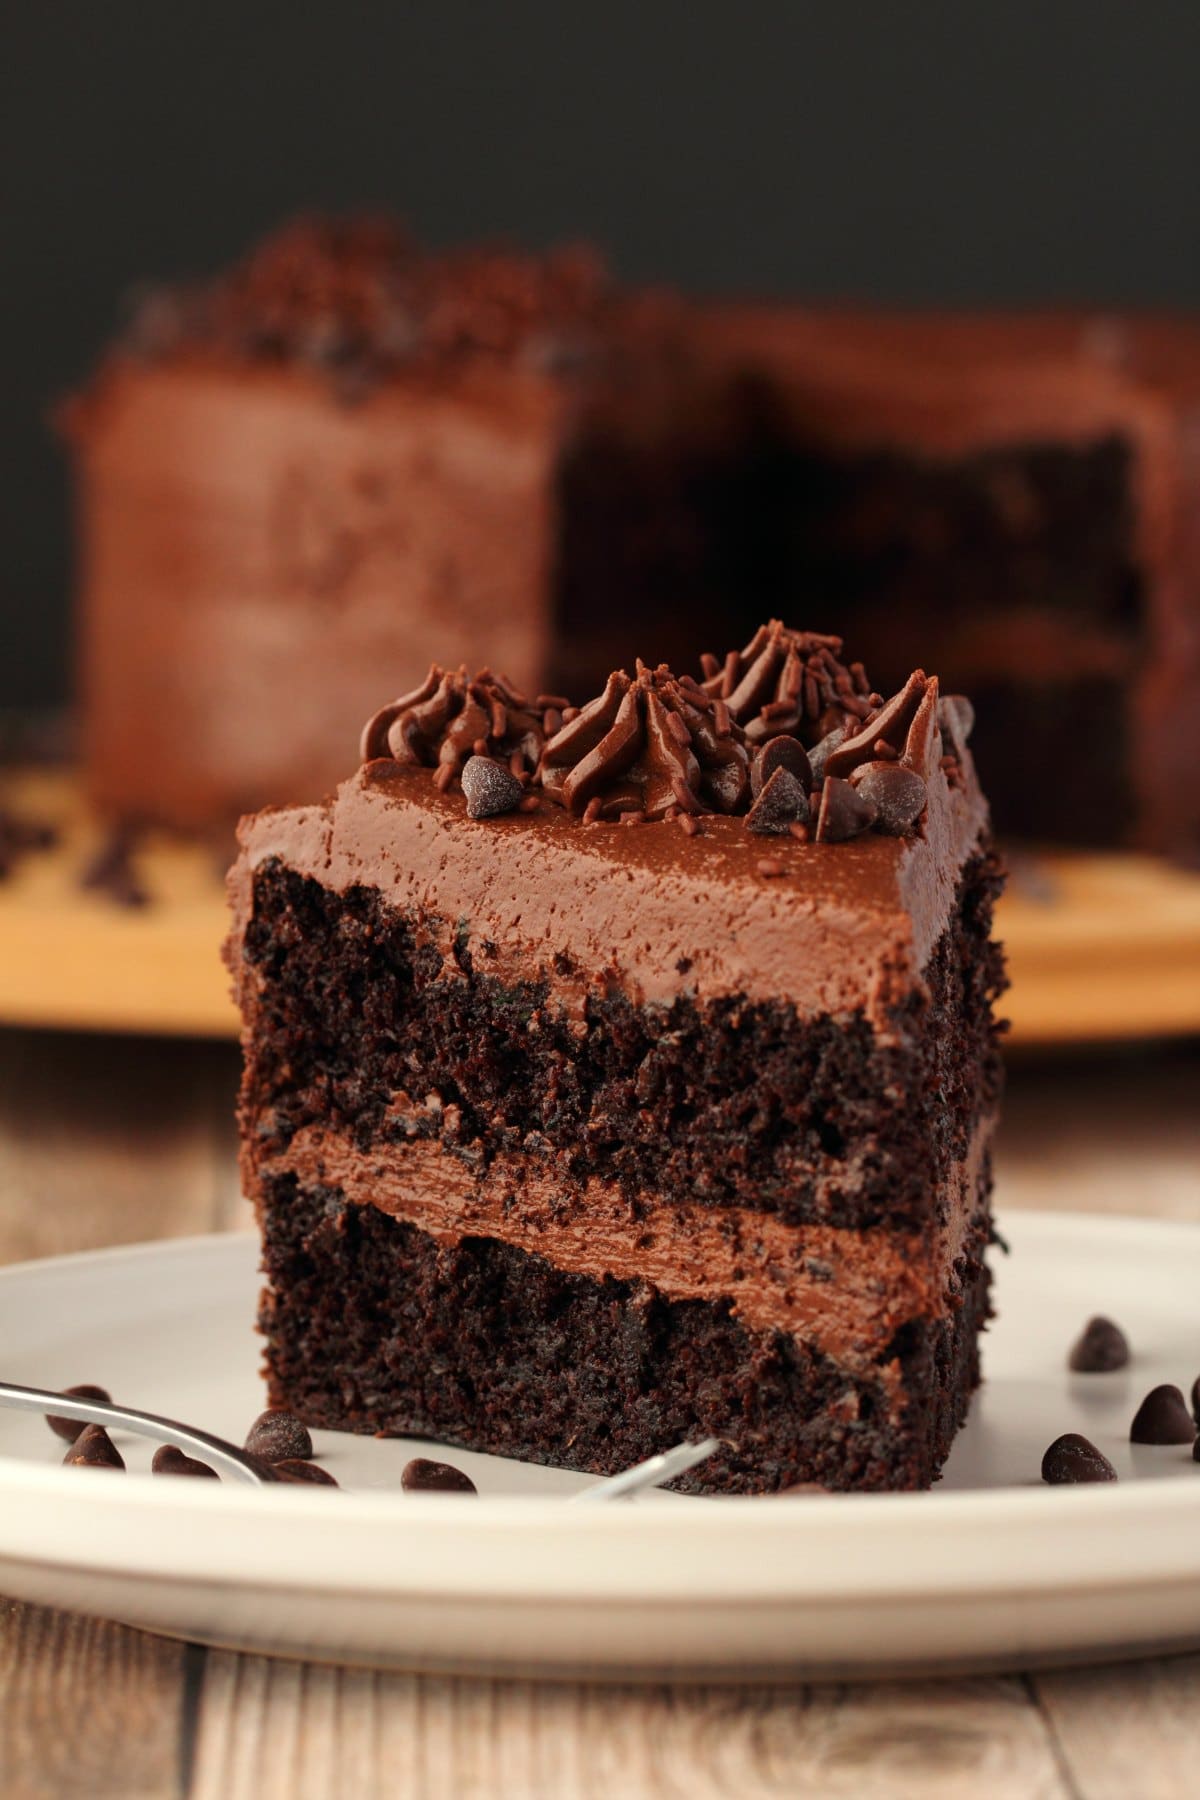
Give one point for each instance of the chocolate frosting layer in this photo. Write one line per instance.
(845, 1292)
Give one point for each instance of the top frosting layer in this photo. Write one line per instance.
(358, 298)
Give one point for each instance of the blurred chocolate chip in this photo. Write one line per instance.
(1196, 1399)
(70, 1429)
(898, 795)
(1162, 1418)
(956, 716)
(94, 1449)
(844, 813)
(780, 753)
(294, 1468)
(170, 1460)
(781, 804)
(1100, 1348)
(1074, 1458)
(423, 1476)
(490, 788)
(277, 1434)
(820, 753)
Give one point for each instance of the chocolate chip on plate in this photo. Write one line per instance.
(1075, 1458)
(1162, 1418)
(277, 1434)
(423, 1476)
(94, 1449)
(170, 1460)
(1100, 1348)
(294, 1468)
(70, 1429)
(490, 788)
(1196, 1400)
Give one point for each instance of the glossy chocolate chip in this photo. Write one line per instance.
(781, 804)
(170, 1460)
(1100, 1348)
(94, 1449)
(1075, 1458)
(781, 753)
(423, 1476)
(70, 1429)
(844, 813)
(295, 1468)
(820, 753)
(490, 788)
(277, 1434)
(1162, 1418)
(898, 795)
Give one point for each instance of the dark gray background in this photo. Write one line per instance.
(895, 151)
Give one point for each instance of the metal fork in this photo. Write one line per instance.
(229, 1460)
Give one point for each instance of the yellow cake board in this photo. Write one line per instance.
(1100, 946)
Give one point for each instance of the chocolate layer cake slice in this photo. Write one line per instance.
(619, 1074)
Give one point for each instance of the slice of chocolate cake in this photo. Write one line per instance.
(624, 1074)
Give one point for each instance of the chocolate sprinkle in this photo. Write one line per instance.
(490, 788)
(452, 717)
(1074, 1458)
(277, 1435)
(1100, 1348)
(423, 1476)
(168, 1459)
(781, 804)
(94, 1449)
(1162, 1418)
(843, 812)
(70, 1429)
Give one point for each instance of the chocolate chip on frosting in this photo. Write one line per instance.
(1100, 1348)
(781, 804)
(1075, 1458)
(898, 795)
(1162, 1418)
(490, 788)
(843, 812)
(781, 753)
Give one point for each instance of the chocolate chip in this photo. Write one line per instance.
(844, 813)
(294, 1468)
(1074, 1458)
(1100, 1348)
(780, 753)
(1196, 1399)
(490, 788)
(781, 804)
(956, 716)
(1162, 1418)
(820, 753)
(423, 1476)
(170, 1460)
(94, 1449)
(277, 1434)
(898, 795)
(70, 1429)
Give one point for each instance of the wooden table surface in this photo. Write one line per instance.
(103, 1141)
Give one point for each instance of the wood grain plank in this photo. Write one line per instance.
(1133, 1729)
(274, 1731)
(105, 1143)
(87, 1709)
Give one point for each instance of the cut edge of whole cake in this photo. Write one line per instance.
(624, 1073)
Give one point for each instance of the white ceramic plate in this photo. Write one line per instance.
(990, 1568)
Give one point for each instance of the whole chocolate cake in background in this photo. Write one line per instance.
(348, 454)
(624, 1073)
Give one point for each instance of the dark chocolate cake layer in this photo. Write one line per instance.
(359, 1021)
